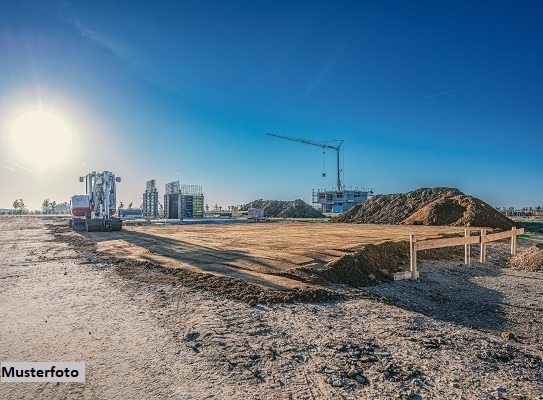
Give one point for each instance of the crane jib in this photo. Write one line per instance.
(322, 145)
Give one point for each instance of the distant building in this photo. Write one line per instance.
(338, 201)
(150, 200)
(183, 201)
(130, 213)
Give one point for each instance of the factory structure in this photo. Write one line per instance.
(180, 201)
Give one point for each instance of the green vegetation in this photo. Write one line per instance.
(533, 228)
(20, 205)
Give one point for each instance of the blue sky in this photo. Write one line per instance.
(423, 93)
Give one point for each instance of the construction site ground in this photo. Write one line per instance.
(264, 254)
(112, 301)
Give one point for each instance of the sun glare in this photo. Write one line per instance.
(41, 138)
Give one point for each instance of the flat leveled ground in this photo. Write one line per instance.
(253, 252)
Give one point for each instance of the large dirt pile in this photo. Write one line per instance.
(460, 210)
(284, 209)
(436, 206)
(530, 259)
(394, 208)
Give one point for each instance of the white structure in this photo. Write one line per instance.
(338, 201)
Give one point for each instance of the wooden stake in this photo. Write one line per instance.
(413, 254)
(514, 242)
(482, 258)
(467, 249)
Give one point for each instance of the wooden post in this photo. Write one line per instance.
(482, 258)
(467, 249)
(514, 242)
(413, 254)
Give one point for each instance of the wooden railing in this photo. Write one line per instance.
(467, 241)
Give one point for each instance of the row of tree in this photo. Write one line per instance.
(538, 208)
(121, 206)
(48, 207)
(521, 212)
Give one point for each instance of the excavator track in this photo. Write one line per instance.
(94, 225)
(78, 224)
(116, 224)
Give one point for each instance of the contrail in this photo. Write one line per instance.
(16, 165)
(441, 94)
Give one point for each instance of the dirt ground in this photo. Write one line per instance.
(264, 254)
(459, 332)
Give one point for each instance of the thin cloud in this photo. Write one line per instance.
(125, 52)
(442, 93)
(326, 67)
(10, 168)
(118, 48)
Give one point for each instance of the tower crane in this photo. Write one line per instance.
(323, 145)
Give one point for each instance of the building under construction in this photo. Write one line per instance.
(150, 200)
(333, 201)
(183, 201)
(337, 201)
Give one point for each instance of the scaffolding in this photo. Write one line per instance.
(183, 201)
(338, 201)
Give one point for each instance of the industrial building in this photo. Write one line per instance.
(150, 200)
(338, 201)
(183, 201)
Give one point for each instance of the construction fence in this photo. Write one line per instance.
(467, 241)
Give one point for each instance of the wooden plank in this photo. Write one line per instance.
(502, 235)
(482, 257)
(513, 244)
(413, 256)
(446, 242)
(467, 248)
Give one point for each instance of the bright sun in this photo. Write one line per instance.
(41, 138)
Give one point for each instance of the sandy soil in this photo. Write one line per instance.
(259, 253)
(460, 332)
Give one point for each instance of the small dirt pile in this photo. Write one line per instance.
(369, 265)
(285, 209)
(437, 206)
(530, 259)
(394, 208)
(460, 210)
(372, 264)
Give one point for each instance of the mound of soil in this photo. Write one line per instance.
(285, 209)
(369, 265)
(460, 210)
(530, 259)
(394, 208)
(372, 264)
(436, 206)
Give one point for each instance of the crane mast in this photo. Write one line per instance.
(322, 145)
